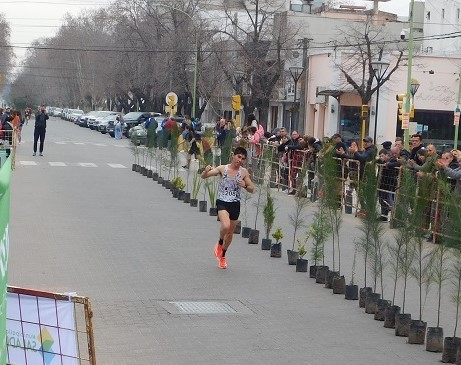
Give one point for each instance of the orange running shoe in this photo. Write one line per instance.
(218, 251)
(222, 263)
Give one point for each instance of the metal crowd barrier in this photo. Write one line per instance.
(8, 143)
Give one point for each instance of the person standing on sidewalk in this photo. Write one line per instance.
(40, 130)
(234, 178)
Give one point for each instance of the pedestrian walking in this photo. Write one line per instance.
(40, 130)
(234, 178)
(118, 128)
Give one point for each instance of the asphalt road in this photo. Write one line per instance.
(81, 222)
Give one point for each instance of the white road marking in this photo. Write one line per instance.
(28, 163)
(60, 142)
(59, 164)
(117, 166)
(79, 143)
(87, 164)
(100, 144)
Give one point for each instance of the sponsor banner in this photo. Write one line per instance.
(41, 331)
(5, 175)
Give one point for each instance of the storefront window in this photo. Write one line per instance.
(350, 123)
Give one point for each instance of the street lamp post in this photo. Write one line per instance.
(296, 73)
(379, 71)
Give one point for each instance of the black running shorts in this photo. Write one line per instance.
(232, 208)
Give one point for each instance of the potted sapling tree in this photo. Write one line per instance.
(439, 255)
(135, 151)
(451, 345)
(211, 186)
(179, 187)
(377, 265)
(269, 218)
(320, 230)
(395, 250)
(297, 221)
(276, 247)
(196, 186)
(301, 263)
(246, 197)
(352, 290)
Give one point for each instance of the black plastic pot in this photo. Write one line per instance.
(381, 306)
(181, 194)
(175, 193)
(276, 249)
(253, 239)
(402, 324)
(138, 168)
(202, 205)
(339, 285)
(352, 292)
(450, 349)
(149, 174)
(246, 232)
(389, 316)
(370, 302)
(363, 295)
(238, 227)
(434, 339)
(292, 257)
(417, 333)
(301, 265)
(193, 203)
(144, 171)
(155, 176)
(321, 274)
(187, 198)
(330, 276)
(213, 212)
(266, 244)
(133, 167)
(164, 182)
(160, 180)
(313, 271)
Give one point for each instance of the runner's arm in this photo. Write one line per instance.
(210, 171)
(246, 182)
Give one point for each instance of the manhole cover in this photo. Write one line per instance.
(203, 307)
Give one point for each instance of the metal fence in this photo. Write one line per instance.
(8, 143)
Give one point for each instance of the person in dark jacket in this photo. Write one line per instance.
(417, 144)
(40, 130)
(367, 155)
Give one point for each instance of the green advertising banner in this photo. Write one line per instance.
(5, 174)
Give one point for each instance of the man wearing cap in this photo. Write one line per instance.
(387, 145)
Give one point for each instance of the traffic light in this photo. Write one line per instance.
(236, 102)
(364, 111)
(401, 103)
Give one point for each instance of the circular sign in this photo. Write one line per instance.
(171, 99)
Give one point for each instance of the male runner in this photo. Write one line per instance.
(234, 177)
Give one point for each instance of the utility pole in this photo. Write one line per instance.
(457, 114)
(410, 65)
(304, 81)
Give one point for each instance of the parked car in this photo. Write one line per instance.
(57, 112)
(100, 117)
(104, 122)
(83, 121)
(99, 114)
(133, 119)
(140, 132)
(74, 115)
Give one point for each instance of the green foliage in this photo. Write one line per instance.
(196, 185)
(297, 219)
(269, 213)
(301, 249)
(455, 274)
(320, 231)
(278, 235)
(178, 183)
(211, 186)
